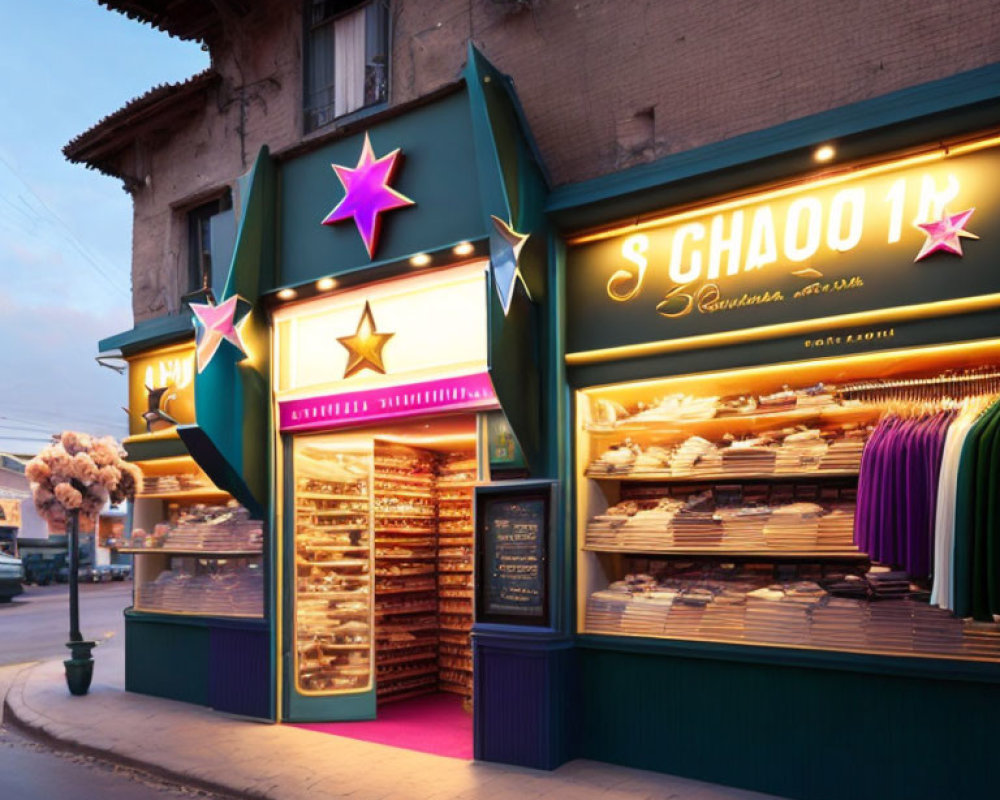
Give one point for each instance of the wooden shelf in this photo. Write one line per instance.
(721, 477)
(404, 515)
(389, 529)
(330, 512)
(405, 590)
(343, 562)
(405, 558)
(418, 480)
(167, 551)
(426, 608)
(412, 657)
(454, 688)
(421, 641)
(707, 552)
(714, 427)
(187, 494)
(340, 528)
(357, 498)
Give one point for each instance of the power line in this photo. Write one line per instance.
(74, 240)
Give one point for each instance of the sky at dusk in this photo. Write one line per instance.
(65, 230)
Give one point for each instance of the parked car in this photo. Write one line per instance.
(11, 576)
(120, 572)
(101, 573)
(84, 574)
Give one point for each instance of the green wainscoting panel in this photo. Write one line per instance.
(230, 439)
(799, 732)
(167, 659)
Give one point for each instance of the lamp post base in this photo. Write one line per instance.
(79, 668)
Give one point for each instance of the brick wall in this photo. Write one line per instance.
(605, 84)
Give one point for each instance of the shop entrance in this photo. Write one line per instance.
(381, 566)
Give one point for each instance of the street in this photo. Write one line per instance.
(33, 627)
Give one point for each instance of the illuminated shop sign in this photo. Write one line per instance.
(917, 230)
(161, 389)
(404, 347)
(463, 393)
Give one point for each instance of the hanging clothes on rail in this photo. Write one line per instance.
(898, 489)
(973, 489)
(943, 587)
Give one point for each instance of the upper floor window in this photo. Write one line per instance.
(346, 58)
(211, 231)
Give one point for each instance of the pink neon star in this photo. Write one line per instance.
(215, 323)
(367, 194)
(945, 234)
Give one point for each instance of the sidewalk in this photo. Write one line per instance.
(200, 747)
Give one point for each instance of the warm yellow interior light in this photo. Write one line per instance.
(741, 200)
(420, 260)
(325, 284)
(287, 294)
(463, 248)
(824, 153)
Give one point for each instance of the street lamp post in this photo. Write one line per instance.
(80, 665)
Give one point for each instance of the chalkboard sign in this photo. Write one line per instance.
(512, 560)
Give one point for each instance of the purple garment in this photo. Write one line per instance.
(897, 490)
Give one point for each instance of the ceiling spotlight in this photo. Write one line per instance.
(824, 153)
(325, 284)
(463, 248)
(420, 260)
(287, 294)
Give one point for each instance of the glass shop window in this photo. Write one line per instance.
(346, 58)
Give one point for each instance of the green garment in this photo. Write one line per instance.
(965, 513)
(985, 505)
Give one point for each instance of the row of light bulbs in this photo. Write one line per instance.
(418, 260)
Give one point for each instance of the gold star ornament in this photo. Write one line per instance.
(364, 348)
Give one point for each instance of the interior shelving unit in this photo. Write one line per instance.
(406, 624)
(457, 474)
(333, 551)
(682, 537)
(383, 553)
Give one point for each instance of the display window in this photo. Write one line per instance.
(197, 550)
(837, 504)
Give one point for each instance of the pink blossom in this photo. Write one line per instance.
(37, 470)
(84, 468)
(68, 496)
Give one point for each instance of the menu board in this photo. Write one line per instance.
(513, 526)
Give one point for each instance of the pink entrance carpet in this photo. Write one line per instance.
(433, 724)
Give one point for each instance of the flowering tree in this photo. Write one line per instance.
(80, 473)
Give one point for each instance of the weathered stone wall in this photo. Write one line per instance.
(605, 84)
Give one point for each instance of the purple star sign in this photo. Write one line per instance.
(367, 194)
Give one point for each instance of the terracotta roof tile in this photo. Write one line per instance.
(97, 146)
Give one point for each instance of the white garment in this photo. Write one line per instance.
(942, 588)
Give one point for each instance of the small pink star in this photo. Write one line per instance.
(945, 234)
(215, 323)
(368, 194)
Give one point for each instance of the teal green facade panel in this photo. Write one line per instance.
(166, 659)
(798, 732)
(437, 170)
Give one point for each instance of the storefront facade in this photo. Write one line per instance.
(756, 603)
(638, 406)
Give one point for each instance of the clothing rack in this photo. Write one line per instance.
(964, 384)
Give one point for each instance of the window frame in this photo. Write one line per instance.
(308, 112)
(199, 278)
